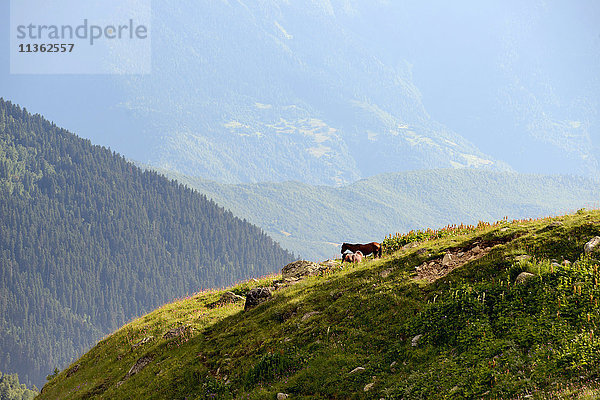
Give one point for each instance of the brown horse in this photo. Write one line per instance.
(353, 257)
(369, 248)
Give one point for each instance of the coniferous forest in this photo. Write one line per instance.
(88, 241)
(12, 389)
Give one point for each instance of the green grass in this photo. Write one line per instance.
(483, 336)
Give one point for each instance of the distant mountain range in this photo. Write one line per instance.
(329, 92)
(313, 220)
(89, 241)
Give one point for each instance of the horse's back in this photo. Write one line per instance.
(368, 248)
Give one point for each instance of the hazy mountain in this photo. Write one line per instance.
(89, 241)
(327, 92)
(314, 220)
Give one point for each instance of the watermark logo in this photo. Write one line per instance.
(80, 37)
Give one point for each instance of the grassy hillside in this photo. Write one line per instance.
(439, 318)
(313, 220)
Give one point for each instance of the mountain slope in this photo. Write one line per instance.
(378, 329)
(285, 92)
(89, 241)
(330, 91)
(313, 220)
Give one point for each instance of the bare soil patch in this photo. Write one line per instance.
(433, 270)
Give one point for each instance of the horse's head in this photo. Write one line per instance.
(344, 247)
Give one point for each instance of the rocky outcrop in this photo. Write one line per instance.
(447, 260)
(440, 267)
(73, 369)
(226, 298)
(300, 269)
(357, 369)
(330, 263)
(523, 277)
(142, 342)
(592, 245)
(309, 314)
(415, 340)
(256, 296)
(180, 330)
(140, 364)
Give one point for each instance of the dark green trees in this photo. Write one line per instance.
(88, 241)
(11, 389)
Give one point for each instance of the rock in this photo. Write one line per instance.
(257, 296)
(282, 396)
(591, 245)
(230, 297)
(460, 254)
(180, 330)
(523, 276)
(139, 365)
(415, 341)
(226, 298)
(385, 273)
(279, 284)
(523, 257)
(300, 269)
(335, 295)
(329, 264)
(309, 314)
(73, 369)
(504, 229)
(357, 369)
(447, 259)
(476, 249)
(410, 245)
(369, 387)
(142, 342)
